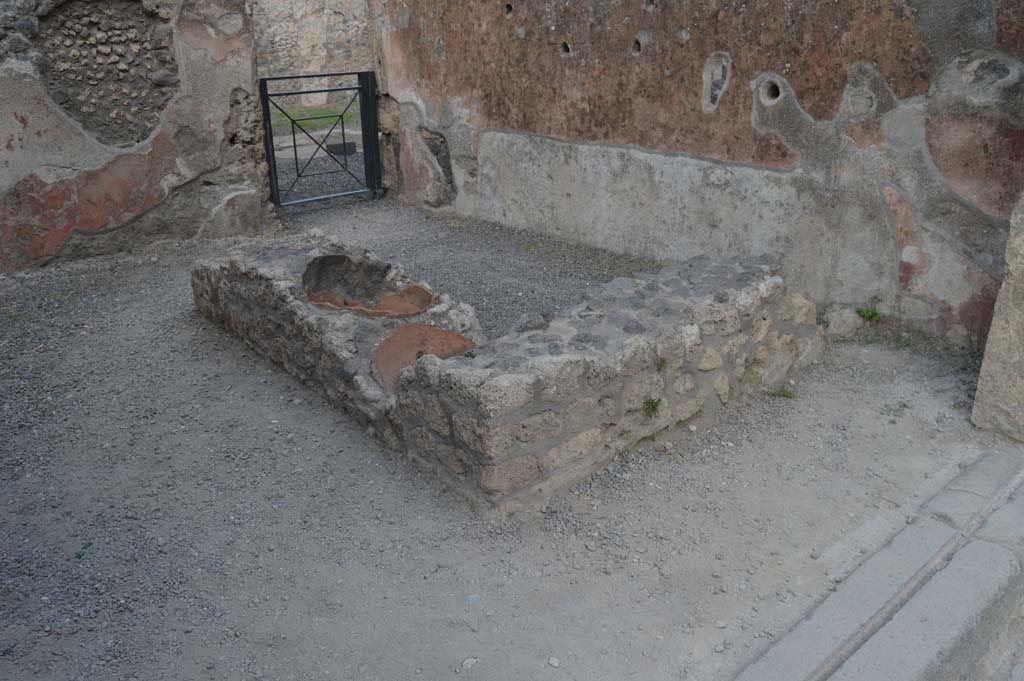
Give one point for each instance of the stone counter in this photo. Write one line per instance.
(508, 422)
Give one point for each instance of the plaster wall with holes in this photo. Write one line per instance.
(875, 147)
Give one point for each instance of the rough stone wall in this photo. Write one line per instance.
(311, 36)
(999, 404)
(110, 65)
(875, 145)
(535, 411)
(260, 293)
(126, 121)
(516, 418)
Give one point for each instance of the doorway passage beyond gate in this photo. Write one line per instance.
(321, 136)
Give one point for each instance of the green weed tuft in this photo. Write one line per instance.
(651, 407)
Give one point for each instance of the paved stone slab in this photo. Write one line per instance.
(955, 507)
(1017, 674)
(804, 649)
(990, 474)
(1006, 525)
(942, 632)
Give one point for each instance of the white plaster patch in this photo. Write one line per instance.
(717, 75)
(231, 23)
(911, 255)
(52, 174)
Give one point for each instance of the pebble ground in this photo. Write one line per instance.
(173, 507)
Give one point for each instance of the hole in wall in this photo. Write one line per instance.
(641, 41)
(509, 9)
(565, 50)
(990, 71)
(771, 92)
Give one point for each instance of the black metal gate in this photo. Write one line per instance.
(312, 149)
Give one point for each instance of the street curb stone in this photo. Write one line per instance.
(944, 630)
(808, 646)
(926, 570)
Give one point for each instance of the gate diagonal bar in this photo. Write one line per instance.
(304, 120)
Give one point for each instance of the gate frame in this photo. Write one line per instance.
(368, 120)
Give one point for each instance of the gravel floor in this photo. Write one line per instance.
(503, 273)
(172, 507)
(322, 177)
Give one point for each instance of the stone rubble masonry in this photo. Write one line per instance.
(999, 403)
(842, 323)
(125, 122)
(524, 415)
(257, 293)
(110, 65)
(311, 36)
